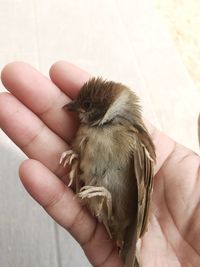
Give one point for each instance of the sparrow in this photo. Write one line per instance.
(112, 162)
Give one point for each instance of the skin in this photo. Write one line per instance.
(32, 117)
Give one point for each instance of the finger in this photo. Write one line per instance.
(59, 202)
(40, 95)
(30, 134)
(68, 77)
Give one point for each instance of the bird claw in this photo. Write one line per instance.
(72, 174)
(67, 157)
(93, 191)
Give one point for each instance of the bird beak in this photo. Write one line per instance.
(71, 106)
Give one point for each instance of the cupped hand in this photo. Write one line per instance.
(31, 115)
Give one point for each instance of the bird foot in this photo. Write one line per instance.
(67, 157)
(93, 191)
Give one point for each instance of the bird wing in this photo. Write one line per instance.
(144, 159)
(143, 167)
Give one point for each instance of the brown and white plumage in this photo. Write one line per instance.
(113, 166)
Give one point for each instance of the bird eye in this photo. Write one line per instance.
(87, 104)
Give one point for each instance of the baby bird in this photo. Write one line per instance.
(112, 159)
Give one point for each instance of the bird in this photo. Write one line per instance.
(112, 160)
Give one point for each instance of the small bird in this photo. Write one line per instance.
(112, 161)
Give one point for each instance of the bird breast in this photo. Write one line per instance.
(105, 160)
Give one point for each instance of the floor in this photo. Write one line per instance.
(120, 40)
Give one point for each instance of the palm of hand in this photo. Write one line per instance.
(173, 237)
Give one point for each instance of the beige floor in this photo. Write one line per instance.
(182, 17)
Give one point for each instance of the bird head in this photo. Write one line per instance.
(100, 102)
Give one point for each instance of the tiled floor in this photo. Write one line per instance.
(120, 40)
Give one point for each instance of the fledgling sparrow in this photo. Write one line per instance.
(112, 161)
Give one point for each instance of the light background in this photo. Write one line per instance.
(182, 18)
(120, 40)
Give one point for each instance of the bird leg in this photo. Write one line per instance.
(93, 191)
(73, 174)
(68, 157)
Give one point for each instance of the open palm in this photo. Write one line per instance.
(32, 116)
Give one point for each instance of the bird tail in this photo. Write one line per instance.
(132, 262)
(128, 251)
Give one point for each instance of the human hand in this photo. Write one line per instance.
(32, 116)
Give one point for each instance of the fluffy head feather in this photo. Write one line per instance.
(100, 102)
